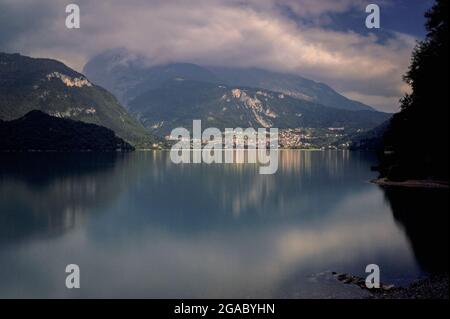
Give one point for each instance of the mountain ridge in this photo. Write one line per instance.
(127, 75)
(176, 103)
(290, 84)
(50, 86)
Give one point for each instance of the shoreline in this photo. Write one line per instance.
(434, 287)
(413, 183)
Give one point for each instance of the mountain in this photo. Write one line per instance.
(40, 131)
(128, 75)
(166, 96)
(50, 86)
(178, 101)
(289, 84)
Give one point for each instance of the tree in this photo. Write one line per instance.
(416, 142)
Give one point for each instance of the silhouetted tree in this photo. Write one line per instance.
(416, 142)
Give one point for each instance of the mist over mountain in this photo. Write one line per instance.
(166, 96)
(28, 84)
(127, 75)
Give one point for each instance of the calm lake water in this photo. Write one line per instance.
(140, 226)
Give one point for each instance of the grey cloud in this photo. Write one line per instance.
(214, 32)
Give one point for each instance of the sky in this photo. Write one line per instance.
(324, 40)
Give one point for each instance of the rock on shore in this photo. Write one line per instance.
(434, 287)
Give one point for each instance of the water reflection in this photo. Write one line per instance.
(306, 183)
(46, 194)
(423, 213)
(140, 226)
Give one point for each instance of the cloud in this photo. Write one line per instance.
(218, 32)
(383, 103)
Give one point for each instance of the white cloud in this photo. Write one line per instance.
(237, 33)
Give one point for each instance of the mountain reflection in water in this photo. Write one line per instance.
(140, 226)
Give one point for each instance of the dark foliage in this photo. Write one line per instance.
(39, 131)
(416, 143)
(371, 140)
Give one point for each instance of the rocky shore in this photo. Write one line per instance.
(434, 287)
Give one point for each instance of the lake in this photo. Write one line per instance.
(140, 226)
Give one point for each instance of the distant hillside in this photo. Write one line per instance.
(177, 102)
(289, 84)
(369, 140)
(47, 85)
(39, 131)
(128, 75)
